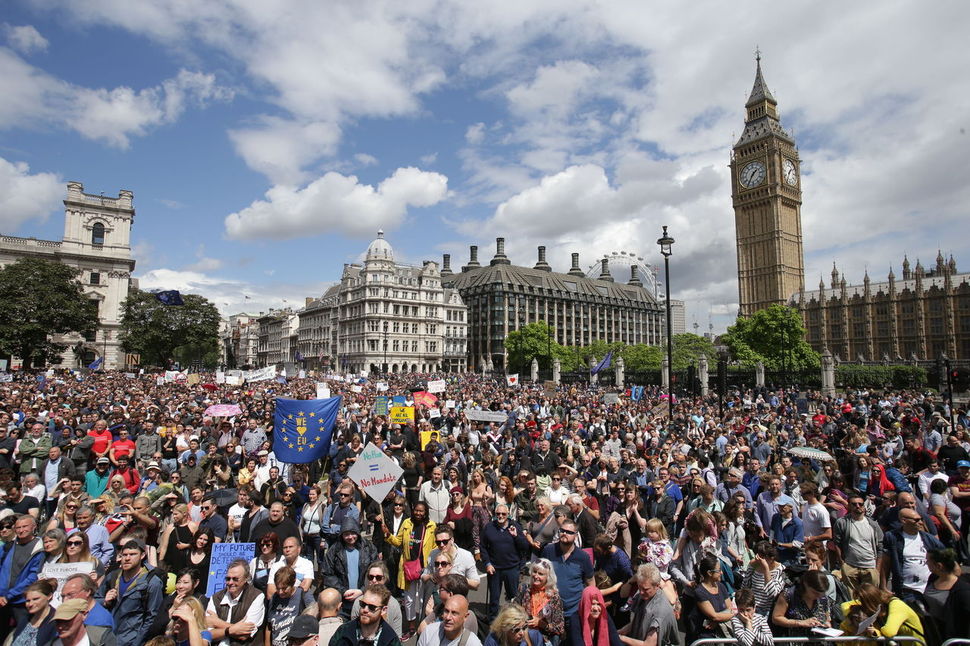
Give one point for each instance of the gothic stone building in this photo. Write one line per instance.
(925, 314)
(96, 242)
(767, 197)
(502, 298)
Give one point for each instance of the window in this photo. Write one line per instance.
(97, 234)
(95, 278)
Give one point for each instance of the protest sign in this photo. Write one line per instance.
(450, 403)
(381, 387)
(382, 405)
(611, 398)
(402, 415)
(193, 379)
(549, 388)
(486, 416)
(323, 391)
(437, 386)
(427, 436)
(160, 381)
(128, 375)
(233, 381)
(426, 399)
(356, 389)
(434, 413)
(222, 555)
(61, 572)
(398, 400)
(220, 377)
(374, 472)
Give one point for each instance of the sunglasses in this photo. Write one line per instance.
(567, 532)
(443, 543)
(369, 607)
(75, 542)
(442, 563)
(232, 579)
(344, 495)
(500, 514)
(399, 504)
(375, 577)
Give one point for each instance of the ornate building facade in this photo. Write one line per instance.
(502, 298)
(97, 242)
(923, 315)
(767, 197)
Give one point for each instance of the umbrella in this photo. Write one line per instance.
(210, 387)
(224, 497)
(810, 454)
(223, 410)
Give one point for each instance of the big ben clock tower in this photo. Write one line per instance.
(767, 196)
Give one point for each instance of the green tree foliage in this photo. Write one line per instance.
(41, 298)
(641, 357)
(849, 375)
(688, 349)
(159, 332)
(774, 336)
(535, 340)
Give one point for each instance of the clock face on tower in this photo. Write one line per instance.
(753, 174)
(790, 172)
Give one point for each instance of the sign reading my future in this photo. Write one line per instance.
(374, 472)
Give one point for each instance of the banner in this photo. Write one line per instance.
(233, 381)
(422, 398)
(220, 377)
(512, 380)
(382, 405)
(437, 386)
(269, 372)
(303, 428)
(222, 555)
(61, 572)
(6, 378)
(323, 391)
(427, 436)
(549, 388)
(402, 415)
(374, 472)
(486, 416)
(398, 400)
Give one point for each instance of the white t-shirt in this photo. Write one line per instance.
(237, 512)
(434, 635)
(815, 519)
(463, 563)
(915, 571)
(302, 567)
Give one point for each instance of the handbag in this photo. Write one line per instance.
(413, 568)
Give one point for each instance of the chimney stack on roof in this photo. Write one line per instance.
(575, 270)
(605, 270)
(500, 257)
(634, 277)
(542, 265)
(472, 259)
(446, 265)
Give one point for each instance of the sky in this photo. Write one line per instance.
(267, 142)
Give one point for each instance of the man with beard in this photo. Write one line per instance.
(369, 628)
(253, 514)
(277, 522)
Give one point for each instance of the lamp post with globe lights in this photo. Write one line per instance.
(666, 242)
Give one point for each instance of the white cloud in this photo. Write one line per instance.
(281, 148)
(203, 263)
(429, 159)
(35, 99)
(475, 133)
(25, 196)
(336, 202)
(365, 160)
(24, 38)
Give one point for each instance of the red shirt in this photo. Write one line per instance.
(962, 485)
(123, 447)
(102, 441)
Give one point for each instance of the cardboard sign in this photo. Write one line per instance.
(434, 413)
(549, 388)
(382, 405)
(402, 415)
(375, 473)
(61, 572)
(498, 417)
(450, 403)
(323, 391)
(427, 436)
(437, 386)
(193, 379)
(220, 377)
(222, 555)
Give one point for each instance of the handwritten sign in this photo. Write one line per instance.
(434, 413)
(611, 398)
(402, 415)
(323, 391)
(375, 473)
(382, 405)
(450, 403)
(486, 416)
(61, 572)
(437, 386)
(222, 555)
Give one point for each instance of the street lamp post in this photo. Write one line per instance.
(666, 242)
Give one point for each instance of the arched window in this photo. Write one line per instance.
(97, 234)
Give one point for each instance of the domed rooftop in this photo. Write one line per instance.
(379, 249)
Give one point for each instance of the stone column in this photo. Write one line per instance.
(535, 370)
(665, 375)
(759, 375)
(556, 370)
(828, 373)
(593, 379)
(702, 374)
(620, 369)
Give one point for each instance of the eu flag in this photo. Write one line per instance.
(604, 364)
(170, 297)
(96, 364)
(303, 429)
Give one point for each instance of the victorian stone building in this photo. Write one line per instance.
(922, 314)
(767, 197)
(502, 297)
(96, 242)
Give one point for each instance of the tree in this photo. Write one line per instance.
(162, 332)
(688, 349)
(641, 357)
(775, 336)
(41, 298)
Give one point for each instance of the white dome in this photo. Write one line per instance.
(379, 249)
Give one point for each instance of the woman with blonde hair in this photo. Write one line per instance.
(176, 538)
(541, 601)
(63, 518)
(894, 616)
(189, 625)
(511, 628)
(39, 629)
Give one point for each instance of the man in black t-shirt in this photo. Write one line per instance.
(21, 504)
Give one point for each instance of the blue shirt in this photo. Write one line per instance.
(353, 568)
(572, 574)
(98, 615)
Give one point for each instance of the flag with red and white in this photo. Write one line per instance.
(512, 380)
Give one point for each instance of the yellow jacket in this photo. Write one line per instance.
(403, 538)
(900, 620)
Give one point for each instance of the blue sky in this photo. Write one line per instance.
(266, 143)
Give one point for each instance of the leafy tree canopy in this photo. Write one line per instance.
(41, 298)
(775, 336)
(161, 332)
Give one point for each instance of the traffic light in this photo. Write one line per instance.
(960, 379)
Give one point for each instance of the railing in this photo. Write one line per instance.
(957, 642)
(888, 641)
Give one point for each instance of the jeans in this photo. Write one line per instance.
(507, 576)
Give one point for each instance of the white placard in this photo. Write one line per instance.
(437, 386)
(323, 391)
(375, 473)
(61, 572)
(301, 374)
(486, 416)
(450, 404)
(160, 381)
(381, 387)
(434, 413)
(128, 375)
(356, 389)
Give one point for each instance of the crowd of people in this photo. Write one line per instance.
(583, 519)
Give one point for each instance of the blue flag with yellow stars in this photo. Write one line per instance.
(303, 428)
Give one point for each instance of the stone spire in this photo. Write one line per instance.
(952, 265)
(906, 272)
(940, 262)
(835, 276)
(920, 272)
(541, 264)
(760, 91)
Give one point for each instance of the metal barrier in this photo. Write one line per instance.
(886, 641)
(956, 641)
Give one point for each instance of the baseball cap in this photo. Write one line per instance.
(154, 465)
(303, 627)
(70, 609)
(734, 471)
(104, 461)
(963, 463)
